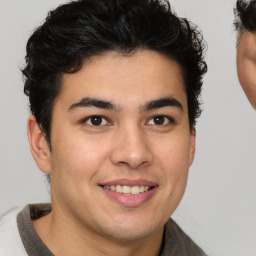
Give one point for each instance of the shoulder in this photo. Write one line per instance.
(176, 242)
(10, 241)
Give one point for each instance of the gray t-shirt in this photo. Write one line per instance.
(175, 241)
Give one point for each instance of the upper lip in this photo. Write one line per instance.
(127, 182)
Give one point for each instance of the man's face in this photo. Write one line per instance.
(121, 145)
(246, 65)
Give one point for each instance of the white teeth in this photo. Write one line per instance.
(119, 189)
(126, 190)
(134, 190)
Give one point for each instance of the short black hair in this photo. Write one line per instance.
(245, 16)
(78, 30)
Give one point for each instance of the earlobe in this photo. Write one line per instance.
(38, 145)
(192, 145)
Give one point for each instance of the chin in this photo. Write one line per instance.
(131, 234)
(128, 229)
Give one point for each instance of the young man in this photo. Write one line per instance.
(245, 24)
(113, 89)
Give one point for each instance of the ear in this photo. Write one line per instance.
(192, 145)
(38, 145)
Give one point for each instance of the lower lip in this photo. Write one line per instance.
(130, 200)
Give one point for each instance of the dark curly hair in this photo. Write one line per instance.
(81, 29)
(245, 16)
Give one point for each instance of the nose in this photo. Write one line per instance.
(131, 149)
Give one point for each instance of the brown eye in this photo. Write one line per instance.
(159, 120)
(96, 121)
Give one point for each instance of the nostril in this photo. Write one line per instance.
(144, 164)
(122, 163)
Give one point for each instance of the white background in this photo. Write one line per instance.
(219, 208)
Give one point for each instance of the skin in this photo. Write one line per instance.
(127, 145)
(246, 65)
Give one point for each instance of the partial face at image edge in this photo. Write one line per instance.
(246, 64)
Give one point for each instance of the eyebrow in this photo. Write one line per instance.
(103, 104)
(92, 102)
(160, 103)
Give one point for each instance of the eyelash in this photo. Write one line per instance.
(95, 116)
(169, 119)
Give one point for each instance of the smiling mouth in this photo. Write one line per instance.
(128, 190)
(130, 193)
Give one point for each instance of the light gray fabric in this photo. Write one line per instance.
(175, 241)
(10, 242)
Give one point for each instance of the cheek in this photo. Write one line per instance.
(77, 158)
(174, 161)
(173, 157)
(174, 149)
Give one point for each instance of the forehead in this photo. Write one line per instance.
(142, 76)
